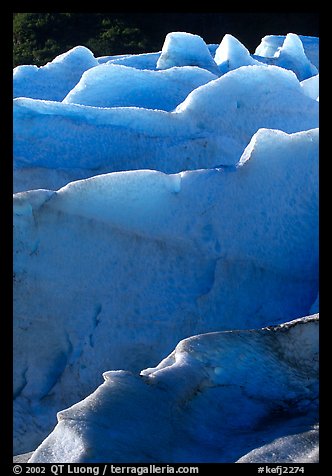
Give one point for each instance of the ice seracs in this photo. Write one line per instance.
(167, 220)
(160, 257)
(232, 54)
(310, 87)
(290, 55)
(138, 61)
(59, 142)
(209, 398)
(186, 49)
(112, 85)
(270, 44)
(54, 80)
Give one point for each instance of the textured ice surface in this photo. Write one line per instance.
(54, 80)
(185, 49)
(210, 128)
(270, 44)
(291, 56)
(139, 61)
(297, 447)
(213, 399)
(148, 226)
(113, 85)
(160, 257)
(311, 87)
(232, 54)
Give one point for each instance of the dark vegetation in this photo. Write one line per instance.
(39, 37)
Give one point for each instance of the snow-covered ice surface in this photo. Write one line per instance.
(186, 210)
(268, 401)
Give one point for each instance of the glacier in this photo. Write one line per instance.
(112, 85)
(181, 49)
(57, 142)
(116, 422)
(185, 253)
(166, 219)
(271, 44)
(232, 54)
(54, 80)
(290, 55)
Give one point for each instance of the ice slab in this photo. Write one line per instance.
(219, 397)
